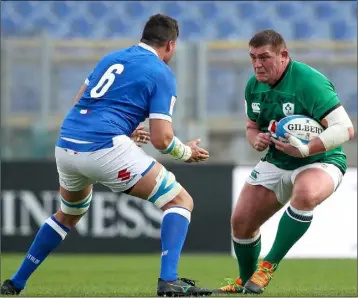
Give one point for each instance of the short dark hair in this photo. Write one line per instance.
(160, 29)
(267, 37)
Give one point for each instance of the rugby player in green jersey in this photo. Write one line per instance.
(303, 175)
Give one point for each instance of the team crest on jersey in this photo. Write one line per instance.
(288, 108)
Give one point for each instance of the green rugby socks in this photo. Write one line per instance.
(247, 252)
(292, 226)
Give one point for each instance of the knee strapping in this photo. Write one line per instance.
(76, 208)
(166, 189)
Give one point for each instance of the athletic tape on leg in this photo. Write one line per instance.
(76, 208)
(166, 189)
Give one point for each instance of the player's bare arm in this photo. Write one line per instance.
(259, 140)
(339, 129)
(163, 139)
(161, 133)
(80, 93)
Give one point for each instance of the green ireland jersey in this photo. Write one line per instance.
(301, 90)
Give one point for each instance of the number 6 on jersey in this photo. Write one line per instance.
(106, 80)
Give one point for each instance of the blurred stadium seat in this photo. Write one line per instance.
(78, 18)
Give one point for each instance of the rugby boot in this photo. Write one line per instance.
(8, 288)
(260, 279)
(182, 287)
(232, 287)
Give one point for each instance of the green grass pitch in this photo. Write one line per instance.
(136, 275)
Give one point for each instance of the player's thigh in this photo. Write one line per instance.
(314, 183)
(119, 167)
(159, 186)
(256, 204)
(74, 186)
(127, 168)
(272, 178)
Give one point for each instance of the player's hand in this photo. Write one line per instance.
(197, 153)
(262, 141)
(293, 146)
(140, 136)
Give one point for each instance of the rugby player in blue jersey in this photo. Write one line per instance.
(95, 146)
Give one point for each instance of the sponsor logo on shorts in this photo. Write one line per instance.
(254, 174)
(130, 179)
(124, 175)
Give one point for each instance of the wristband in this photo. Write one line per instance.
(178, 150)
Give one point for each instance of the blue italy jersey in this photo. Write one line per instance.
(124, 89)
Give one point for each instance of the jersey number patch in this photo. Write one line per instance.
(106, 80)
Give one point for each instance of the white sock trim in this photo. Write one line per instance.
(56, 227)
(182, 211)
(246, 241)
(301, 212)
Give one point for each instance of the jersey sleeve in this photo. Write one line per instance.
(163, 96)
(87, 80)
(320, 97)
(248, 102)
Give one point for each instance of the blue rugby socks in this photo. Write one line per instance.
(174, 229)
(47, 239)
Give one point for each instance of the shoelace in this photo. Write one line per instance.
(229, 284)
(263, 275)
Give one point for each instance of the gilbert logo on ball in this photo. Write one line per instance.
(302, 127)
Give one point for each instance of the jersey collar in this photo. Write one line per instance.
(148, 48)
(283, 75)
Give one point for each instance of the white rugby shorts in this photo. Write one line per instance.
(281, 181)
(118, 168)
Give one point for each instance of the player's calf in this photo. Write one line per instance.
(48, 238)
(159, 186)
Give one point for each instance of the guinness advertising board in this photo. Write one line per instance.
(115, 223)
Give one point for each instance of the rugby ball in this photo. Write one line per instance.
(302, 127)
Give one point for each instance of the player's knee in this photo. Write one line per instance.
(167, 191)
(67, 220)
(183, 199)
(305, 198)
(78, 208)
(242, 228)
